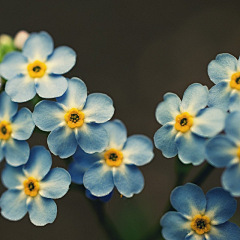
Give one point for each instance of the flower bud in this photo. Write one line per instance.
(20, 39)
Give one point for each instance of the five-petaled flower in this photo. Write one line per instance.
(32, 188)
(37, 69)
(187, 124)
(200, 217)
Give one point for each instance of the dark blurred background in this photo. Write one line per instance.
(134, 51)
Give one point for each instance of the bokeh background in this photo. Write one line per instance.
(134, 51)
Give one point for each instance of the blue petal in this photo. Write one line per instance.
(92, 137)
(103, 199)
(164, 140)
(22, 125)
(61, 61)
(117, 133)
(76, 171)
(168, 109)
(76, 94)
(220, 151)
(128, 180)
(13, 177)
(232, 126)
(209, 122)
(220, 205)
(47, 115)
(98, 108)
(138, 150)
(2, 142)
(7, 107)
(194, 99)
(51, 86)
(16, 152)
(219, 95)
(191, 148)
(225, 231)
(21, 88)
(188, 200)
(62, 142)
(13, 204)
(99, 179)
(194, 236)
(39, 163)
(181, 226)
(38, 46)
(234, 102)
(14, 63)
(219, 69)
(55, 184)
(42, 210)
(231, 179)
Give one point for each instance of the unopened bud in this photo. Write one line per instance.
(20, 39)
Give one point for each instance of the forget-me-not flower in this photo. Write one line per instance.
(15, 127)
(200, 217)
(187, 124)
(75, 119)
(32, 188)
(37, 69)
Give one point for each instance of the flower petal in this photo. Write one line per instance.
(13, 64)
(8, 108)
(98, 108)
(138, 150)
(168, 109)
(13, 204)
(232, 126)
(103, 199)
(128, 180)
(76, 171)
(164, 140)
(231, 179)
(221, 68)
(61, 61)
(99, 179)
(181, 226)
(234, 102)
(188, 200)
(55, 184)
(220, 205)
(194, 236)
(51, 86)
(194, 99)
(47, 115)
(62, 142)
(42, 210)
(38, 46)
(39, 163)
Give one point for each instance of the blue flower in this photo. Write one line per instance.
(37, 69)
(117, 164)
(15, 127)
(224, 151)
(75, 119)
(187, 124)
(32, 188)
(225, 73)
(200, 217)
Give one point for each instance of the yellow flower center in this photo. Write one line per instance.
(74, 118)
(5, 130)
(201, 224)
(184, 122)
(31, 186)
(235, 81)
(36, 69)
(113, 157)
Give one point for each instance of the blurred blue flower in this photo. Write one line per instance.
(224, 151)
(200, 217)
(187, 124)
(75, 119)
(32, 188)
(15, 127)
(37, 69)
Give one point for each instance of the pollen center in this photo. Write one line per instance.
(36, 69)
(5, 130)
(74, 118)
(31, 187)
(235, 81)
(184, 122)
(113, 157)
(201, 224)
